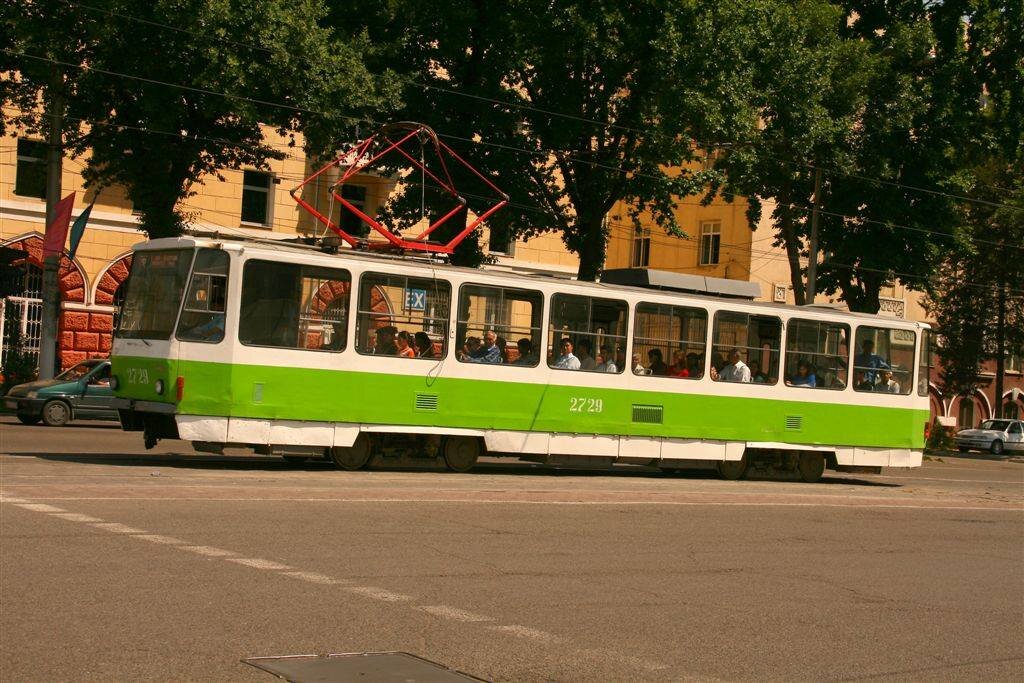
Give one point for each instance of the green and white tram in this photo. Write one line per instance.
(289, 350)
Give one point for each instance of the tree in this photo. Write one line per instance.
(169, 107)
(977, 297)
(161, 94)
(863, 92)
(596, 103)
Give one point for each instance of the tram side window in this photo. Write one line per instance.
(499, 325)
(884, 360)
(294, 306)
(817, 354)
(587, 333)
(746, 348)
(670, 341)
(202, 315)
(402, 316)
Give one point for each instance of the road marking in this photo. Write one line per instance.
(525, 632)
(206, 550)
(866, 505)
(378, 593)
(313, 577)
(5, 499)
(257, 563)
(117, 528)
(157, 538)
(75, 517)
(446, 612)
(39, 507)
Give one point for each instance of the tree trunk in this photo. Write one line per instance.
(593, 248)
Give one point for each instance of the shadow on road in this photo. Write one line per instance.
(244, 463)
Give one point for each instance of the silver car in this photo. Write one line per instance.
(995, 436)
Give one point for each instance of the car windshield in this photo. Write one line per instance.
(997, 425)
(78, 371)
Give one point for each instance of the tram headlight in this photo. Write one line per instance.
(159, 386)
(114, 383)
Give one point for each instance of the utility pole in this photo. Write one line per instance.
(1000, 344)
(812, 247)
(54, 113)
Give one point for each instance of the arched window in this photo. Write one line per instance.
(1011, 410)
(965, 415)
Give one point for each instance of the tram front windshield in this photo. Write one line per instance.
(154, 290)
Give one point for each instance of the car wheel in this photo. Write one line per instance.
(997, 447)
(56, 413)
(29, 419)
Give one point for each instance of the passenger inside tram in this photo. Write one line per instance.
(605, 362)
(756, 375)
(584, 351)
(656, 364)
(566, 359)
(678, 367)
(735, 371)
(804, 376)
(489, 352)
(638, 367)
(526, 356)
(404, 345)
(886, 383)
(384, 342)
(424, 347)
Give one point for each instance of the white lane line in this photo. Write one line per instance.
(206, 550)
(117, 528)
(39, 507)
(446, 612)
(867, 505)
(75, 517)
(313, 577)
(525, 632)
(378, 593)
(257, 563)
(164, 540)
(5, 499)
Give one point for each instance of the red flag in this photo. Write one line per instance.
(57, 229)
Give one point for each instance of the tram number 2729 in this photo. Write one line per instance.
(585, 405)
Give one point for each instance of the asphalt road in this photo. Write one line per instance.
(119, 564)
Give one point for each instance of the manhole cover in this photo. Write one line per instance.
(365, 667)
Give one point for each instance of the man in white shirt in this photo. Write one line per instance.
(735, 371)
(567, 361)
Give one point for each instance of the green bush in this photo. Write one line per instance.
(19, 366)
(940, 438)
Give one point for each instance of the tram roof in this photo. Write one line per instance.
(276, 246)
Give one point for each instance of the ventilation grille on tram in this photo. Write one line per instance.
(794, 423)
(648, 414)
(426, 401)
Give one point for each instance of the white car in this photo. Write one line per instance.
(995, 436)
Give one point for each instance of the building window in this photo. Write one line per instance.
(350, 222)
(641, 247)
(30, 178)
(500, 241)
(1012, 412)
(710, 243)
(256, 197)
(1013, 361)
(965, 415)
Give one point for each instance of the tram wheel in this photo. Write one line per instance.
(352, 457)
(811, 466)
(733, 469)
(461, 452)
